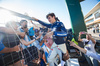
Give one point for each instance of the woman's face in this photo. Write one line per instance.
(51, 19)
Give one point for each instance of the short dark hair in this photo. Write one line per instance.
(22, 21)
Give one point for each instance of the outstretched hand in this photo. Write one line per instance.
(31, 21)
(16, 48)
(39, 35)
(35, 19)
(72, 43)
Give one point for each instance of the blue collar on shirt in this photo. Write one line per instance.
(54, 23)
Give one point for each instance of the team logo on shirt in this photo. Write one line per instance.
(62, 25)
(88, 47)
(54, 29)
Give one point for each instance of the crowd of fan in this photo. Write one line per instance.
(17, 39)
(20, 46)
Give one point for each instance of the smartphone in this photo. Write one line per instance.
(82, 32)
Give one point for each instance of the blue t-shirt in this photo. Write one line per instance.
(1, 46)
(24, 46)
(31, 32)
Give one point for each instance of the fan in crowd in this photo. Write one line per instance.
(42, 46)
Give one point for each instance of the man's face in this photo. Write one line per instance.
(24, 24)
(25, 29)
(48, 42)
(87, 37)
(51, 19)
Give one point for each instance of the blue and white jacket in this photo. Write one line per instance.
(59, 31)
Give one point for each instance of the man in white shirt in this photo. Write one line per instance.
(54, 50)
(86, 52)
(89, 44)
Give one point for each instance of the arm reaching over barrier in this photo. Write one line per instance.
(76, 46)
(88, 53)
(11, 31)
(7, 50)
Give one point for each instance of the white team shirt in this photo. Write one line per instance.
(89, 46)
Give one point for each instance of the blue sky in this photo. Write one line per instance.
(87, 5)
(40, 8)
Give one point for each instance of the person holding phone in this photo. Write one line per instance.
(89, 44)
(86, 52)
